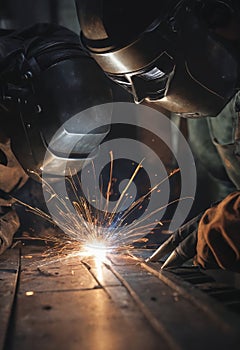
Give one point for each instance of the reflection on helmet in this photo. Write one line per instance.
(183, 55)
(47, 79)
(147, 83)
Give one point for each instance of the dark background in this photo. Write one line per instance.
(20, 13)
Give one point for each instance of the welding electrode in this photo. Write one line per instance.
(173, 241)
(184, 251)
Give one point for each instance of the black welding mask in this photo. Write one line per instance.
(47, 82)
(180, 55)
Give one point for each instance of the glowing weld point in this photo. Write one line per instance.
(97, 249)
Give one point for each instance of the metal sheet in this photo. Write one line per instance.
(101, 272)
(9, 268)
(77, 320)
(121, 303)
(123, 259)
(182, 322)
(54, 274)
(9, 260)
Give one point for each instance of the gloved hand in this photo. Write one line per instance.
(12, 177)
(9, 224)
(214, 244)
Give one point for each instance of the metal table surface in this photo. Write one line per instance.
(72, 302)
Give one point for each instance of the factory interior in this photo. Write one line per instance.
(59, 289)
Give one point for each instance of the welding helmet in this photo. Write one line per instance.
(180, 55)
(46, 79)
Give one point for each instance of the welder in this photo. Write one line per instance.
(45, 80)
(182, 56)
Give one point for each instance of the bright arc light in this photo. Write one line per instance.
(97, 249)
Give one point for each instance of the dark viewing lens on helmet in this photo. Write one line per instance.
(149, 83)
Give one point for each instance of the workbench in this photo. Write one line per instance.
(71, 302)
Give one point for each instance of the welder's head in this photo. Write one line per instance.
(181, 55)
(47, 81)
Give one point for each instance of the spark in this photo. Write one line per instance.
(100, 232)
(29, 293)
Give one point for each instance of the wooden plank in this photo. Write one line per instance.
(9, 268)
(79, 320)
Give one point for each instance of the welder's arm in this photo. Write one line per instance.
(214, 244)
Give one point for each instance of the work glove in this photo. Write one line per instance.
(212, 239)
(9, 224)
(12, 177)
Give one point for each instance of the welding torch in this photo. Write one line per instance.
(181, 244)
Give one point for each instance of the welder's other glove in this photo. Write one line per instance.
(218, 241)
(12, 175)
(9, 224)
